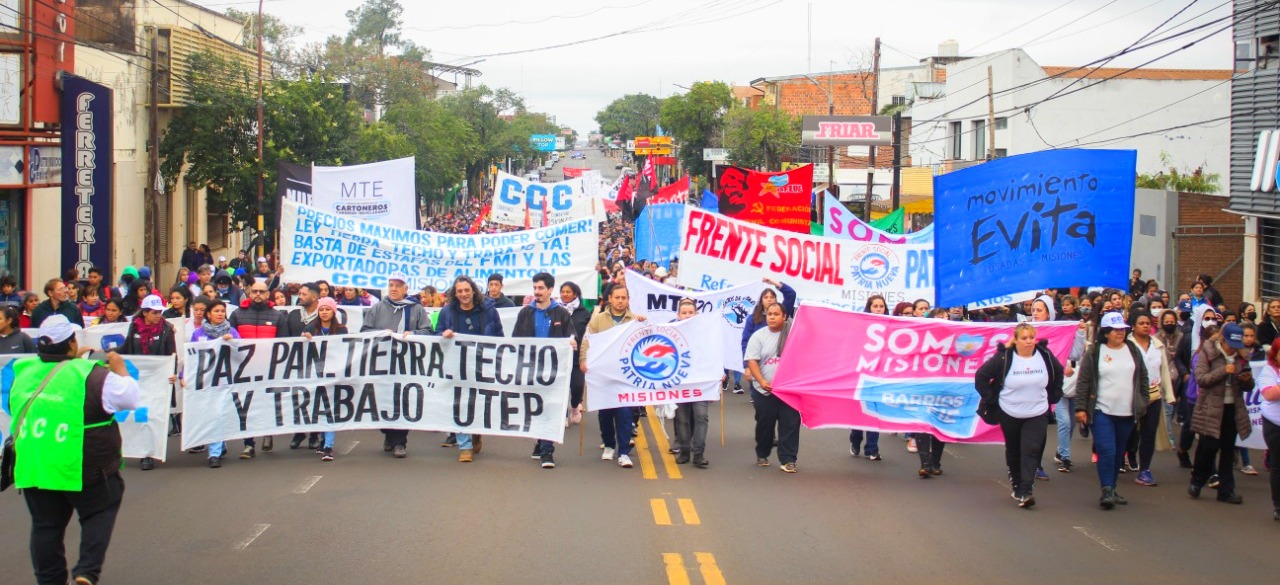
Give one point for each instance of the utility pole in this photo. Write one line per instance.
(897, 160)
(991, 117)
(153, 202)
(831, 150)
(262, 241)
(875, 107)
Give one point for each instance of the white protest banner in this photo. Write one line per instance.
(734, 306)
(383, 191)
(640, 364)
(318, 245)
(515, 198)
(145, 430)
(107, 336)
(717, 251)
(469, 384)
(1253, 402)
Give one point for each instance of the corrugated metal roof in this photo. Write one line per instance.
(1148, 74)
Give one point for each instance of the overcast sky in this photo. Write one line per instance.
(654, 44)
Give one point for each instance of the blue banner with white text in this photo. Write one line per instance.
(1051, 219)
(658, 232)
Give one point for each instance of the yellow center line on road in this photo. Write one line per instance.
(647, 469)
(676, 573)
(688, 511)
(661, 516)
(710, 571)
(664, 448)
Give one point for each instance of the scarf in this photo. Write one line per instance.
(399, 306)
(307, 319)
(147, 333)
(1048, 303)
(216, 331)
(573, 306)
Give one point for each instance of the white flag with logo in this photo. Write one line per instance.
(733, 306)
(641, 364)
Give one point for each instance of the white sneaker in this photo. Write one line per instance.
(911, 446)
(607, 455)
(624, 461)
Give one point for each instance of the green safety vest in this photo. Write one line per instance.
(50, 444)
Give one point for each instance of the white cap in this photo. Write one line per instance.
(660, 272)
(222, 258)
(398, 276)
(57, 328)
(152, 303)
(262, 258)
(1113, 320)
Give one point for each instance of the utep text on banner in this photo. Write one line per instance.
(384, 192)
(734, 306)
(468, 384)
(658, 232)
(317, 245)
(640, 364)
(842, 223)
(513, 197)
(1035, 221)
(717, 252)
(144, 431)
(895, 374)
(88, 158)
(775, 200)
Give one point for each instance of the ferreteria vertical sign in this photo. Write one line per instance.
(87, 159)
(467, 384)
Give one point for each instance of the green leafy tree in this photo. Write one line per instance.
(630, 116)
(695, 119)
(483, 109)
(376, 24)
(440, 141)
(761, 138)
(1195, 181)
(278, 36)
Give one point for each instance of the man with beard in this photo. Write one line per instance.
(465, 313)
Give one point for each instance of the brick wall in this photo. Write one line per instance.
(1208, 240)
(801, 97)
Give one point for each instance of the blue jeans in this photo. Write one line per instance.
(464, 440)
(328, 439)
(1110, 435)
(217, 449)
(873, 441)
(1064, 414)
(615, 429)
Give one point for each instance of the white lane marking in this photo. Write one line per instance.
(952, 453)
(307, 484)
(1098, 539)
(350, 447)
(258, 529)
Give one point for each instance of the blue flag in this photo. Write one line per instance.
(1051, 219)
(658, 232)
(710, 201)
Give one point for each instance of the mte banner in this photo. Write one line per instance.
(640, 364)
(515, 198)
(895, 374)
(88, 160)
(734, 306)
(717, 252)
(467, 384)
(1049, 219)
(658, 232)
(344, 251)
(774, 200)
(385, 191)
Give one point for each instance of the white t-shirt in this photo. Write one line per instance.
(1026, 387)
(1152, 357)
(1267, 377)
(763, 347)
(1115, 381)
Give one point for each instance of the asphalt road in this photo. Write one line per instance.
(287, 518)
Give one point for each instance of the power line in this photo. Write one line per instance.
(526, 22)
(1042, 15)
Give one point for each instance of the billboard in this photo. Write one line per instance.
(846, 131)
(543, 142)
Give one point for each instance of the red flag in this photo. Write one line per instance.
(526, 214)
(626, 191)
(475, 227)
(676, 192)
(648, 171)
(776, 200)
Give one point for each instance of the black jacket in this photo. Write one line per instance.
(163, 344)
(989, 380)
(561, 322)
(1087, 383)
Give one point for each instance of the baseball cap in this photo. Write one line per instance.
(1233, 334)
(398, 276)
(262, 258)
(222, 258)
(660, 272)
(152, 303)
(144, 272)
(57, 329)
(1113, 320)
(1184, 307)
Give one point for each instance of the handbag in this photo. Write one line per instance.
(7, 460)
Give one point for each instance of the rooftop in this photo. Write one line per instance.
(1148, 74)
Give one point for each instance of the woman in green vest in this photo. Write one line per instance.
(67, 447)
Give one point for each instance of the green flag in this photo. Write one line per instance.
(815, 229)
(891, 224)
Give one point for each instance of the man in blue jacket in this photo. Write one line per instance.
(465, 313)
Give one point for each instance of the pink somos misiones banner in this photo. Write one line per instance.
(843, 369)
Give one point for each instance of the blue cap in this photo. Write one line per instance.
(144, 272)
(1233, 334)
(1184, 307)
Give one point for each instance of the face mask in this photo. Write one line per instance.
(1210, 325)
(1170, 328)
(1251, 316)
(1086, 310)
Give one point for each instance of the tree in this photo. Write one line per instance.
(440, 141)
(761, 138)
(482, 108)
(1196, 181)
(694, 120)
(212, 141)
(277, 35)
(376, 24)
(630, 116)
